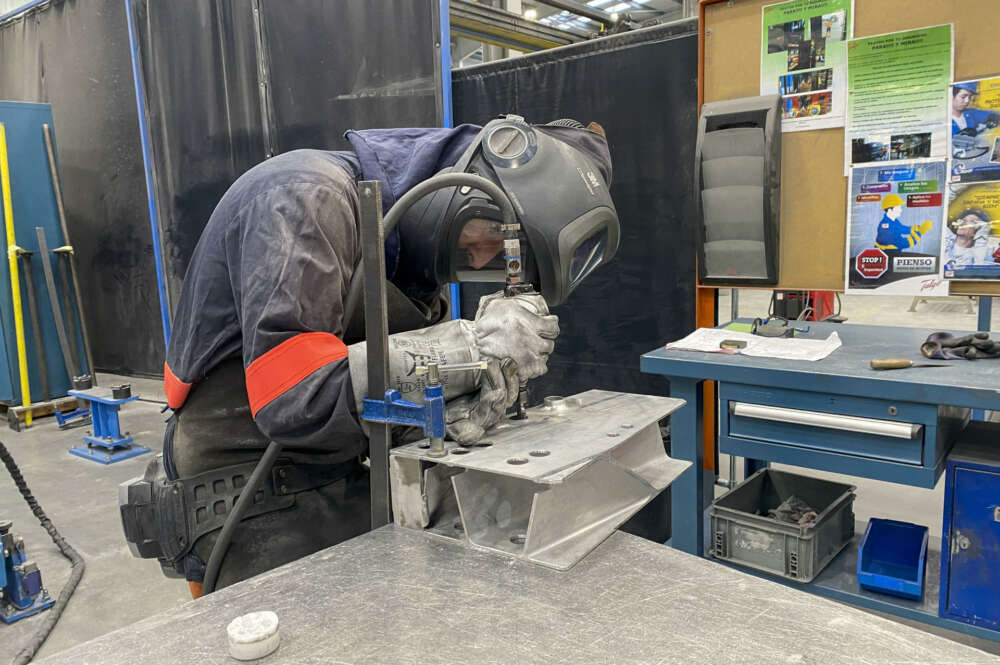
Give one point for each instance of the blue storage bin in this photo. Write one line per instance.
(892, 558)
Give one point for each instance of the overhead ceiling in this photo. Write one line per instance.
(637, 10)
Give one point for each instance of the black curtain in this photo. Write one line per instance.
(74, 55)
(642, 88)
(230, 82)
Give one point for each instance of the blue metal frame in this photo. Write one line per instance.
(147, 160)
(106, 445)
(842, 383)
(397, 411)
(454, 290)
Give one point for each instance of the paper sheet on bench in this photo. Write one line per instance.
(789, 348)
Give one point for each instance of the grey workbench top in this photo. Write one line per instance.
(398, 597)
(969, 383)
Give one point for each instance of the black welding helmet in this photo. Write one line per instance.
(557, 178)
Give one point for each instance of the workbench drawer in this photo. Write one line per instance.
(867, 427)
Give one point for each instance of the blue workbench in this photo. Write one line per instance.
(895, 425)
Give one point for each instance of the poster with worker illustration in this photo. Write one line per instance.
(897, 102)
(894, 228)
(975, 130)
(804, 59)
(971, 247)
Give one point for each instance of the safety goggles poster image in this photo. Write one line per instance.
(975, 130)
(804, 59)
(894, 228)
(971, 247)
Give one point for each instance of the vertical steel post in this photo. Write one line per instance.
(377, 338)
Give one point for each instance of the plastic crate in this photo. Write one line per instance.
(743, 533)
(893, 557)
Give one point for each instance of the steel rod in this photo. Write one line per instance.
(57, 189)
(377, 339)
(50, 283)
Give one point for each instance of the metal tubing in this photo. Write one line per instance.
(57, 189)
(985, 313)
(50, 283)
(377, 338)
(67, 303)
(872, 426)
(147, 160)
(15, 285)
(36, 326)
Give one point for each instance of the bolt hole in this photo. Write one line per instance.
(458, 525)
(424, 445)
(460, 451)
(517, 460)
(518, 538)
(613, 434)
(481, 444)
(539, 453)
(627, 426)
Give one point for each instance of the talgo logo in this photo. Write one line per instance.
(872, 263)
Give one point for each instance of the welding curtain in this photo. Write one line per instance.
(642, 87)
(73, 54)
(231, 82)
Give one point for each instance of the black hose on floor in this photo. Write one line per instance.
(76, 562)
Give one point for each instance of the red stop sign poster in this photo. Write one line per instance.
(872, 263)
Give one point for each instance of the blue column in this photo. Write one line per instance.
(985, 312)
(687, 493)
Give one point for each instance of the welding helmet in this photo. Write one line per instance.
(557, 179)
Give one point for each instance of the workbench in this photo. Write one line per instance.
(400, 596)
(835, 414)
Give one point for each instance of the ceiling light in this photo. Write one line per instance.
(531, 14)
(598, 3)
(617, 8)
(614, 16)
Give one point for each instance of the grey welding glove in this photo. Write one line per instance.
(469, 416)
(447, 343)
(520, 329)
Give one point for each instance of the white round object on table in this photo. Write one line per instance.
(253, 635)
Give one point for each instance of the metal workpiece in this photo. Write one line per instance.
(430, 601)
(547, 489)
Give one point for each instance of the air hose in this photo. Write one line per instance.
(273, 449)
(76, 562)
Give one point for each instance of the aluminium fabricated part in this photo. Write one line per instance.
(547, 489)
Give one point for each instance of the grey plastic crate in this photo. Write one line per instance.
(743, 533)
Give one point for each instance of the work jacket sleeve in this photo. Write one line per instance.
(291, 258)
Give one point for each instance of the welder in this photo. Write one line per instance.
(259, 350)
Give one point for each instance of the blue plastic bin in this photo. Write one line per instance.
(892, 558)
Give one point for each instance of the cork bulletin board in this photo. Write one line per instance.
(813, 185)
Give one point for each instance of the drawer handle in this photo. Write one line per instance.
(828, 420)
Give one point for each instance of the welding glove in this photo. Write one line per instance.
(475, 399)
(469, 416)
(518, 328)
(447, 343)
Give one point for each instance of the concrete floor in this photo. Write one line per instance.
(81, 497)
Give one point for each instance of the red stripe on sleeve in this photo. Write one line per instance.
(284, 366)
(176, 390)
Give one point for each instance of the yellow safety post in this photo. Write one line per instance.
(15, 283)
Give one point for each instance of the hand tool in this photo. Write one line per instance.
(900, 363)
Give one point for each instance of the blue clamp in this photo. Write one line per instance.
(397, 411)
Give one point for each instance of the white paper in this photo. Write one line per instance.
(789, 348)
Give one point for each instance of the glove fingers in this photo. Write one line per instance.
(464, 431)
(548, 327)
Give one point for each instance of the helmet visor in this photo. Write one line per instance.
(587, 256)
(480, 246)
